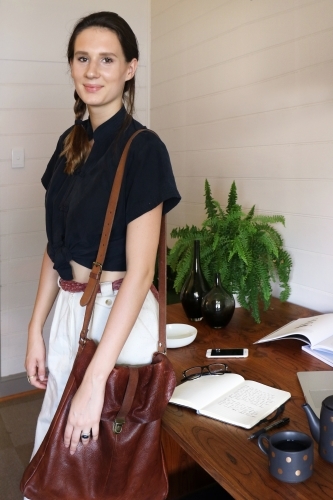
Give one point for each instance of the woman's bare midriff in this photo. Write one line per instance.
(81, 273)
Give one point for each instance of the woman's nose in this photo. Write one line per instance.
(92, 70)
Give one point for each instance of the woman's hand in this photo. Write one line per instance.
(35, 360)
(84, 415)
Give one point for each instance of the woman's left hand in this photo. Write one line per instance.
(84, 415)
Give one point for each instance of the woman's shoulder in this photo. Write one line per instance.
(146, 142)
(150, 180)
(148, 157)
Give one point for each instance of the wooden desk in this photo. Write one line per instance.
(223, 450)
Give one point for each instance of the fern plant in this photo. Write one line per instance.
(245, 249)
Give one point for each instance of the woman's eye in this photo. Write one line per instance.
(108, 60)
(82, 59)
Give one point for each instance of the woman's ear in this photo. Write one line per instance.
(132, 66)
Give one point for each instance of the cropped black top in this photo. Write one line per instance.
(76, 204)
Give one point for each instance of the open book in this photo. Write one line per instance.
(229, 398)
(316, 332)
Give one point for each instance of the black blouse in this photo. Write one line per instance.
(76, 204)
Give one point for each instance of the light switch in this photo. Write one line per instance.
(18, 158)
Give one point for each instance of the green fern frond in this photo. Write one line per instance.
(210, 205)
(250, 214)
(232, 198)
(238, 249)
(285, 293)
(269, 219)
(186, 233)
(283, 269)
(269, 244)
(182, 270)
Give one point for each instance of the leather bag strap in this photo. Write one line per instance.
(162, 287)
(133, 378)
(96, 270)
(89, 295)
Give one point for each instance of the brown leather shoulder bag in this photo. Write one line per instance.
(126, 462)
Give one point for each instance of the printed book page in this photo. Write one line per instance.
(246, 405)
(323, 355)
(201, 391)
(315, 330)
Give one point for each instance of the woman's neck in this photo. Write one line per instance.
(100, 114)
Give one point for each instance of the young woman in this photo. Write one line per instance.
(103, 58)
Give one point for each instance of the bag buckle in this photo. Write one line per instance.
(118, 425)
(162, 348)
(98, 264)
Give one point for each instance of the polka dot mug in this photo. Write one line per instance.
(290, 455)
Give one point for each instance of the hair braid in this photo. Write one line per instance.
(80, 107)
(76, 144)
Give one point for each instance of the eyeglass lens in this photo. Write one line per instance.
(213, 369)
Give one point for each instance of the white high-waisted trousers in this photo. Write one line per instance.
(64, 338)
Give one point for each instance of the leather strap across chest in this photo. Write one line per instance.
(92, 288)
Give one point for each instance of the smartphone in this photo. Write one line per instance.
(227, 353)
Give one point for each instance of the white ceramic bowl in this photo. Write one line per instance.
(179, 334)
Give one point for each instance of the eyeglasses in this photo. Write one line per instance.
(198, 371)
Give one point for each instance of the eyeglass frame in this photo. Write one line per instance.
(202, 373)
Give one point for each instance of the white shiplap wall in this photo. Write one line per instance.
(243, 90)
(36, 100)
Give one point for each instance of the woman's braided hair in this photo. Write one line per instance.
(76, 145)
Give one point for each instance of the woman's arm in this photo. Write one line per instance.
(141, 246)
(46, 295)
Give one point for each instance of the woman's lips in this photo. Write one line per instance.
(92, 88)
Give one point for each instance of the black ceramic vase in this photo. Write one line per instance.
(218, 305)
(194, 289)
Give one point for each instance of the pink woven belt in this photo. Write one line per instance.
(74, 287)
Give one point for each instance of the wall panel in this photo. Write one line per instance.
(312, 51)
(242, 90)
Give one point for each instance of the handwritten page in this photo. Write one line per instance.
(229, 398)
(243, 400)
(246, 405)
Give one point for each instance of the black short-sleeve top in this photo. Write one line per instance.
(76, 204)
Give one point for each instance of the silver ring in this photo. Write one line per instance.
(85, 436)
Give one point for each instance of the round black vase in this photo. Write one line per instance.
(218, 305)
(195, 287)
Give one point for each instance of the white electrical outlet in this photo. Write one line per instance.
(18, 158)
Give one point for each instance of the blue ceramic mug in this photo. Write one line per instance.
(290, 455)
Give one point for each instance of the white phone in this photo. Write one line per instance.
(227, 353)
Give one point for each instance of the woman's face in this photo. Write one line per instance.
(99, 70)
